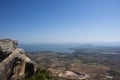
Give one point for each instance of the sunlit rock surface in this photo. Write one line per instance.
(14, 66)
(74, 75)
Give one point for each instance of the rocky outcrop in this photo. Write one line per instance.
(72, 75)
(8, 45)
(16, 65)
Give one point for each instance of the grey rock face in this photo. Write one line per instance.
(8, 45)
(14, 66)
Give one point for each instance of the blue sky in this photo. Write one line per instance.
(60, 21)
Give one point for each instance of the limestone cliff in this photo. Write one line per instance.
(14, 63)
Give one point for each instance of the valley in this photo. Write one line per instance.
(87, 61)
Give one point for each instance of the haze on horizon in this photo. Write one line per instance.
(60, 21)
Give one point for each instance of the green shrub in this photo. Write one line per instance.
(41, 74)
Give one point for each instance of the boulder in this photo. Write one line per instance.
(7, 46)
(16, 65)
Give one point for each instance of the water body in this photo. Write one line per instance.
(64, 48)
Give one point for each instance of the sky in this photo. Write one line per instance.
(60, 21)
